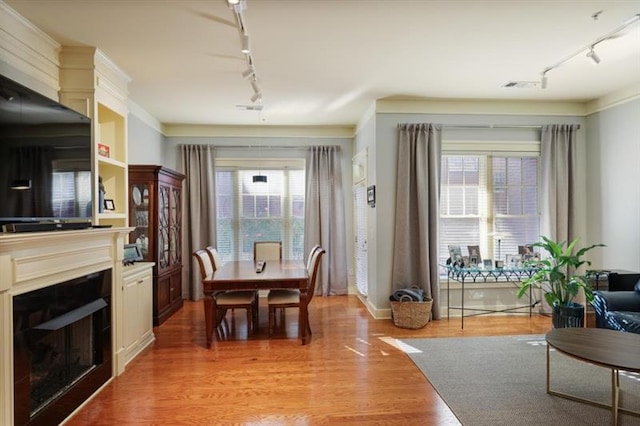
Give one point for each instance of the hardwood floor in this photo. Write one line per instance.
(347, 375)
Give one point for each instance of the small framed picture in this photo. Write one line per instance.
(514, 261)
(488, 264)
(109, 205)
(474, 255)
(371, 195)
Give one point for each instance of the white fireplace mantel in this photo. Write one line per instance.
(31, 261)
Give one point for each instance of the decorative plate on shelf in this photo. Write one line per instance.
(137, 195)
(145, 196)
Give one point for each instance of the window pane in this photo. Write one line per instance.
(466, 217)
(268, 211)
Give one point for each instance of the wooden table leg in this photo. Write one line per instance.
(208, 317)
(303, 320)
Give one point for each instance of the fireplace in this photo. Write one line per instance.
(62, 347)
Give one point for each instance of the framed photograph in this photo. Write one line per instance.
(109, 205)
(103, 150)
(474, 255)
(455, 254)
(514, 261)
(488, 264)
(131, 254)
(371, 195)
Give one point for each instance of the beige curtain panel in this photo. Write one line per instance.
(199, 224)
(324, 219)
(558, 200)
(415, 249)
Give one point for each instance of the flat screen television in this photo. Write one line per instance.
(45, 159)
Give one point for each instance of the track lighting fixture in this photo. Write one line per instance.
(543, 81)
(255, 87)
(238, 7)
(591, 54)
(245, 44)
(249, 72)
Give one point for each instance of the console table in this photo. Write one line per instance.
(470, 276)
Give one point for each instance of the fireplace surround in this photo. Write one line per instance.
(56, 289)
(61, 347)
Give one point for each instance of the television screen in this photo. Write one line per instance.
(45, 158)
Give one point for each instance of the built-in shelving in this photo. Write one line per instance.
(96, 87)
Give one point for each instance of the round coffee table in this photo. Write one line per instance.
(615, 350)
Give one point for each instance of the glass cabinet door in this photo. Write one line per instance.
(164, 227)
(139, 216)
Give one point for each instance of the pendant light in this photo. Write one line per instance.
(259, 178)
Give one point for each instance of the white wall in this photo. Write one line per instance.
(613, 186)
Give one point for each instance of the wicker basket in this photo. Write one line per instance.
(409, 314)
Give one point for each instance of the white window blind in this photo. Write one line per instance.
(250, 211)
(484, 194)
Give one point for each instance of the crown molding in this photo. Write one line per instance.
(477, 107)
(186, 130)
(614, 99)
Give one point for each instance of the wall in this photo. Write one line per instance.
(385, 171)
(146, 141)
(613, 186)
(365, 139)
(274, 147)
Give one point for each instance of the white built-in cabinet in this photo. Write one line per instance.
(137, 308)
(93, 85)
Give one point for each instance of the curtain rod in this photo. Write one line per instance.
(264, 147)
(492, 126)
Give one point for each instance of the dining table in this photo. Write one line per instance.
(242, 275)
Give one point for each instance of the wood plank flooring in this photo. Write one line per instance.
(347, 375)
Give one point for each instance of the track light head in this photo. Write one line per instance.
(255, 87)
(249, 72)
(245, 44)
(591, 54)
(256, 97)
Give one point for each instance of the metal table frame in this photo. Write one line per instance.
(475, 275)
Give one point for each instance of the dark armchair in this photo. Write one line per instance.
(618, 310)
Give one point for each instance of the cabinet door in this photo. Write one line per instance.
(163, 295)
(145, 292)
(164, 227)
(175, 292)
(139, 218)
(132, 326)
(176, 226)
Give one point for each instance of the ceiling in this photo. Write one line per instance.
(324, 62)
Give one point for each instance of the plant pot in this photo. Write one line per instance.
(568, 316)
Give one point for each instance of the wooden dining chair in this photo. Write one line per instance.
(267, 250)
(217, 264)
(285, 298)
(225, 300)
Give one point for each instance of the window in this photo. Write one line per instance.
(250, 211)
(485, 197)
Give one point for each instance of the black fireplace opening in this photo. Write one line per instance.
(62, 347)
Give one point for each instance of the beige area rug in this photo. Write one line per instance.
(488, 381)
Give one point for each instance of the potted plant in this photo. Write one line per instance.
(557, 276)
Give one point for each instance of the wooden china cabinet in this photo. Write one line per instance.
(155, 204)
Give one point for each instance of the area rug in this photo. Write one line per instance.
(488, 381)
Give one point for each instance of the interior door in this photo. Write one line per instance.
(360, 237)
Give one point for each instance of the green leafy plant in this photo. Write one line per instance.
(557, 273)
